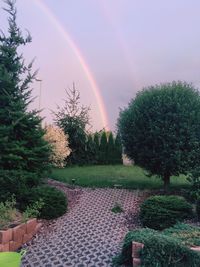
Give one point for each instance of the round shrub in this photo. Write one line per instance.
(160, 212)
(55, 202)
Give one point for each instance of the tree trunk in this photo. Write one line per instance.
(166, 182)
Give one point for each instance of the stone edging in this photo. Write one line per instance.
(13, 238)
(136, 247)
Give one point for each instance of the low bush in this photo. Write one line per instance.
(165, 251)
(160, 212)
(187, 234)
(140, 235)
(10, 216)
(159, 250)
(8, 213)
(54, 201)
(17, 183)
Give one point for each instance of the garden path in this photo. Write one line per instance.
(89, 234)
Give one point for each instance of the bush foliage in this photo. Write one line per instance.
(159, 250)
(54, 201)
(160, 212)
(160, 129)
(58, 142)
(164, 251)
(187, 234)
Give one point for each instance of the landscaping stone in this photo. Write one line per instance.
(89, 234)
(13, 238)
(5, 236)
(31, 225)
(18, 233)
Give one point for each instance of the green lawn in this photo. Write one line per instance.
(131, 177)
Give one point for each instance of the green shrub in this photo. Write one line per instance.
(140, 235)
(54, 201)
(160, 212)
(165, 251)
(33, 211)
(7, 212)
(17, 183)
(159, 251)
(187, 234)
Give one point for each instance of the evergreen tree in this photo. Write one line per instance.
(90, 150)
(103, 149)
(23, 151)
(74, 119)
(118, 150)
(96, 144)
(111, 149)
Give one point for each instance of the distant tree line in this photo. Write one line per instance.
(103, 148)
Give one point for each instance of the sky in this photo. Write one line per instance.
(110, 49)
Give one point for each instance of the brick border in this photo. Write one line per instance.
(13, 238)
(136, 248)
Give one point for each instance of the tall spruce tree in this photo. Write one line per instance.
(23, 151)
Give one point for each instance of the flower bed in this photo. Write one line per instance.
(13, 238)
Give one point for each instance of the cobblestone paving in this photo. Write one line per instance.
(90, 234)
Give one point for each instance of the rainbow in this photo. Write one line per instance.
(84, 65)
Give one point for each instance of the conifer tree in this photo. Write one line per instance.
(23, 151)
(96, 144)
(118, 150)
(90, 150)
(103, 149)
(111, 149)
(74, 119)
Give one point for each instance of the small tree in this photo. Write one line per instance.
(160, 129)
(74, 119)
(59, 145)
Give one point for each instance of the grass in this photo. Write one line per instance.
(117, 208)
(130, 177)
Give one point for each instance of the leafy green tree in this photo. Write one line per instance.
(23, 151)
(73, 119)
(160, 129)
(103, 149)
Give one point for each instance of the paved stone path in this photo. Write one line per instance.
(89, 234)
